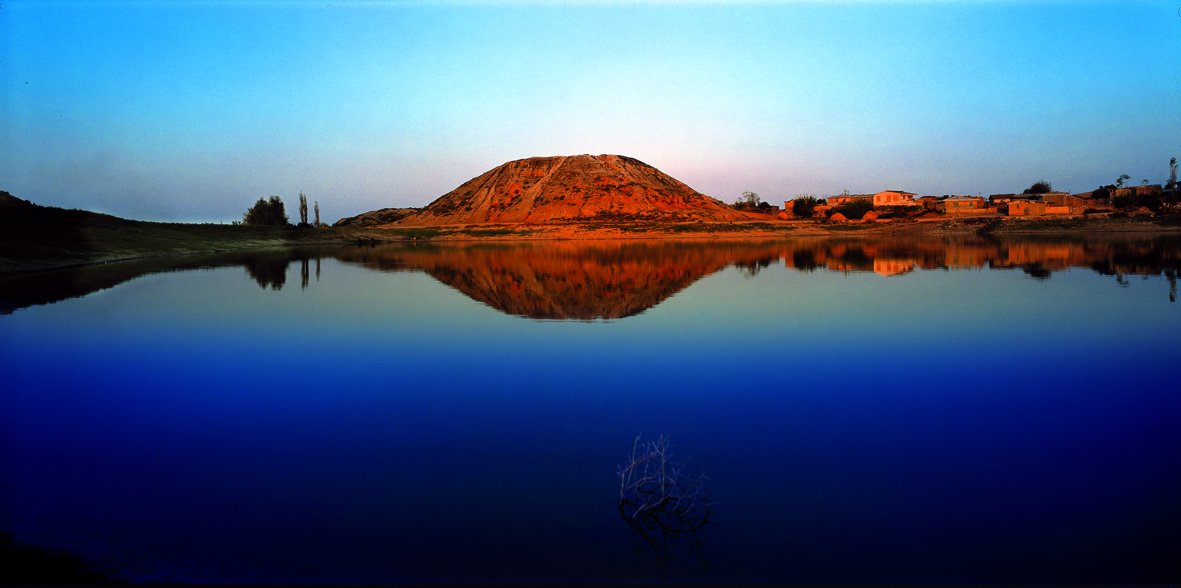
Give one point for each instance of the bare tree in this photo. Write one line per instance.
(660, 502)
(303, 210)
(1172, 174)
(317, 213)
(748, 200)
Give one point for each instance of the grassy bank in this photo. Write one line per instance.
(38, 238)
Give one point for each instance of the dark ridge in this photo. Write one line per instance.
(21, 563)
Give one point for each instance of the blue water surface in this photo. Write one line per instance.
(973, 425)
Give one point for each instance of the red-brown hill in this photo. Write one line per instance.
(376, 218)
(572, 188)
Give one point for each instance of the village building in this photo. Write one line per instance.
(1069, 205)
(1022, 208)
(960, 205)
(894, 198)
(998, 199)
(1145, 190)
(928, 202)
(1055, 198)
(847, 198)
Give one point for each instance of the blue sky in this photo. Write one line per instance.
(190, 111)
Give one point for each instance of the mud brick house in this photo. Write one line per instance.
(959, 205)
(894, 198)
(847, 198)
(1022, 208)
(928, 202)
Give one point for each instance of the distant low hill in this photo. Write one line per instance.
(8, 200)
(35, 237)
(376, 218)
(572, 188)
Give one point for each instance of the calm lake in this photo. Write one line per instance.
(959, 410)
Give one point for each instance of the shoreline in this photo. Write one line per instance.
(53, 246)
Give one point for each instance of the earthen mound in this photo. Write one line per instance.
(376, 218)
(572, 188)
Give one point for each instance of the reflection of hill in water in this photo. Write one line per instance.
(614, 279)
(559, 280)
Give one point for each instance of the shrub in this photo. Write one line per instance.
(1039, 187)
(266, 212)
(804, 204)
(854, 208)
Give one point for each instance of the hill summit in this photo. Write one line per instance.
(572, 188)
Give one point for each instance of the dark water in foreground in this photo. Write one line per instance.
(865, 411)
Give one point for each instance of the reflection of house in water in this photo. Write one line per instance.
(892, 267)
(969, 254)
(1048, 255)
(1039, 257)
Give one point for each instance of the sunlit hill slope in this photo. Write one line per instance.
(572, 188)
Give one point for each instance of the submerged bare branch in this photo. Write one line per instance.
(660, 502)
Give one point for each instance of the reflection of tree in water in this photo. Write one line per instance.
(268, 270)
(660, 503)
(1151, 257)
(1035, 270)
(804, 260)
(751, 267)
(855, 258)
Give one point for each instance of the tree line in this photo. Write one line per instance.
(272, 211)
